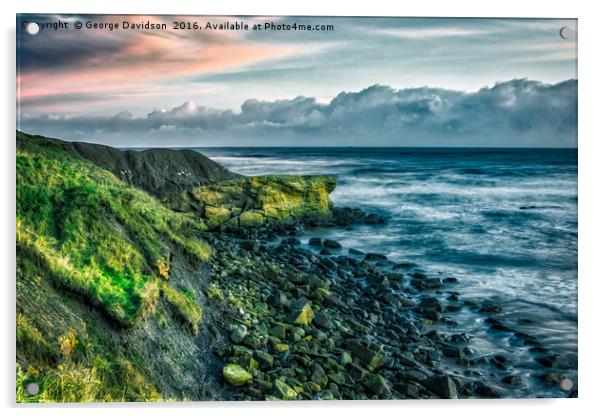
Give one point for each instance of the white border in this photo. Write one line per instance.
(590, 371)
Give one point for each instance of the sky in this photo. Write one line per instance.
(367, 82)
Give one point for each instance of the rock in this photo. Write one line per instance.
(369, 358)
(378, 385)
(547, 361)
(430, 302)
(251, 219)
(318, 375)
(281, 347)
(315, 241)
(263, 385)
(277, 299)
(250, 245)
(216, 215)
(322, 320)
(433, 283)
(332, 244)
(345, 358)
(489, 307)
(355, 252)
(291, 241)
(375, 257)
(238, 334)
(486, 391)
(283, 391)
(301, 312)
(236, 375)
(373, 219)
(278, 330)
(512, 379)
(444, 386)
(452, 351)
(264, 359)
(325, 252)
(356, 371)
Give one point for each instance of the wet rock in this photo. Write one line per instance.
(452, 351)
(496, 325)
(547, 361)
(485, 390)
(489, 307)
(430, 302)
(375, 257)
(512, 379)
(250, 245)
(374, 219)
(291, 241)
(325, 252)
(355, 252)
(236, 375)
(315, 242)
(443, 385)
(331, 244)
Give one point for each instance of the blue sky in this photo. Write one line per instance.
(370, 81)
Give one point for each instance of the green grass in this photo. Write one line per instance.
(93, 234)
(185, 305)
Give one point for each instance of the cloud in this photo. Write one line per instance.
(431, 33)
(519, 112)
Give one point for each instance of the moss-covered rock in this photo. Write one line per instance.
(263, 199)
(301, 312)
(236, 375)
(251, 219)
(283, 391)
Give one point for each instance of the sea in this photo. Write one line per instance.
(501, 221)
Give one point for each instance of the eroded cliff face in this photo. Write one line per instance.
(113, 287)
(252, 202)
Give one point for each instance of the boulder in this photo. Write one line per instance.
(251, 219)
(264, 359)
(315, 241)
(283, 391)
(378, 385)
(332, 244)
(238, 334)
(236, 375)
(368, 357)
(322, 320)
(443, 385)
(301, 312)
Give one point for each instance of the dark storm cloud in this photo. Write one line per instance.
(519, 112)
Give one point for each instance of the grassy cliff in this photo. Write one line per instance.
(111, 283)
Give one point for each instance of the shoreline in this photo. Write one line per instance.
(368, 310)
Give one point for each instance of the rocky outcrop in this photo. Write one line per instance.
(252, 202)
(160, 172)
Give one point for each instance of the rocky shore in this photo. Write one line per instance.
(318, 321)
(218, 290)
